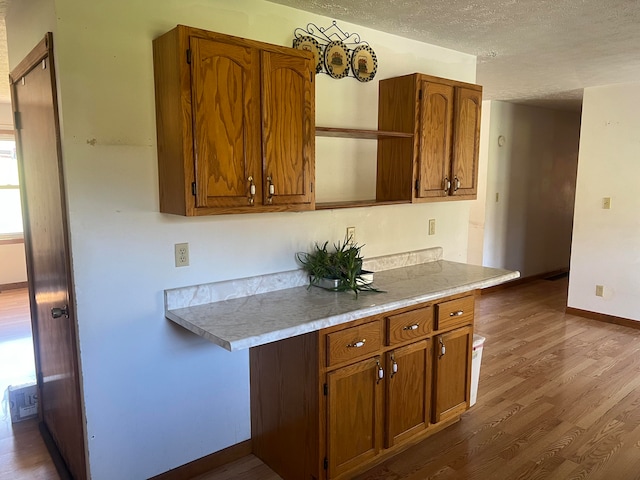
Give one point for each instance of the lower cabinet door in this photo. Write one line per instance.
(408, 404)
(452, 382)
(354, 415)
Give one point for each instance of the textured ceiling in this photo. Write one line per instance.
(540, 52)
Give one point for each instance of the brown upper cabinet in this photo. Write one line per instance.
(440, 161)
(235, 124)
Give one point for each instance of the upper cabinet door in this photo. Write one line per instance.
(288, 129)
(226, 112)
(466, 142)
(436, 114)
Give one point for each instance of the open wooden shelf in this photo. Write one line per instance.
(359, 133)
(357, 203)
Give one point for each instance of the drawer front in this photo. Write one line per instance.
(409, 325)
(354, 342)
(454, 313)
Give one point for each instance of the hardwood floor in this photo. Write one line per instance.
(23, 455)
(559, 398)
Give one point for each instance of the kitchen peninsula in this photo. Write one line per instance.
(340, 382)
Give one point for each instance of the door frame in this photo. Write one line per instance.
(41, 52)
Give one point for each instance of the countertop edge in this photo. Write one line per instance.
(262, 339)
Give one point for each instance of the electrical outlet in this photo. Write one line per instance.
(351, 235)
(599, 290)
(432, 226)
(182, 254)
(606, 203)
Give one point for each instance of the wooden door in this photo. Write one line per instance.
(288, 129)
(354, 415)
(452, 373)
(226, 125)
(47, 248)
(434, 160)
(408, 404)
(466, 142)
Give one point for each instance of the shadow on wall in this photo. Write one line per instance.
(531, 188)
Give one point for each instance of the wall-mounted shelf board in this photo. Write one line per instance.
(357, 203)
(359, 133)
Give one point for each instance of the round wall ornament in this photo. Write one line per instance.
(310, 44)
(364, 63)
(336, 59)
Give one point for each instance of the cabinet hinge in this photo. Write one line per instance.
(326, 389)
(311, 77)
(419, 94)
(193, 188)
(418, 185)
(326, 463)
(189, 56)
(311, 187)
(17, 123)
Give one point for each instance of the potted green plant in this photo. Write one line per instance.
(339, 269)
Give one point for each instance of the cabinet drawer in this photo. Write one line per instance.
(454, 313)
(353, 342)
(409, 325)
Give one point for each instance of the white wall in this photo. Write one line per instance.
(528, 228)
(14, 268)
(157, 396)
(606, 243)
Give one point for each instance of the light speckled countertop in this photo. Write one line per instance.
(248, 321)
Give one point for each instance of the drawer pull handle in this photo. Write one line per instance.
(358, 344)
(394, 366)
(380, 371)
(456, 314)
(411, 327)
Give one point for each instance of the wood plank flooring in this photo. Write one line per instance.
(23, 455)
(559, 398)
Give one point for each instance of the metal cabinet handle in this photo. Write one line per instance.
(443, 349)
(456, 314)
(394, 366)
(411, 327)
(380, 371)
(252, 190)
(358, 344)
(271, 189)
(457, 183)
(60, 312)
(446, 184)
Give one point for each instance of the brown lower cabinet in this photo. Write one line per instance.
(332, 403)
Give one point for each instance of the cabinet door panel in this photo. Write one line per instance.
(436, 114)
(225, 86)
(466, 141)
(408, 391)
(354, 411)
(452, 373)
(288, 124)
